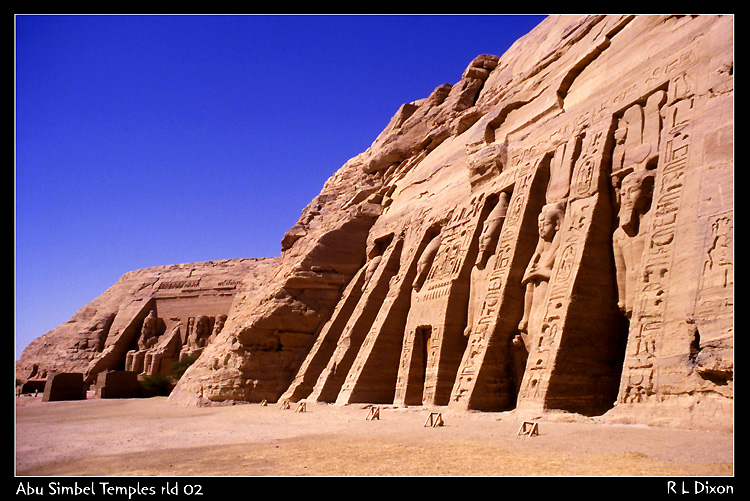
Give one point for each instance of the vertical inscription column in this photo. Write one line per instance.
(543, 353)
(640, 375)
(582, 202)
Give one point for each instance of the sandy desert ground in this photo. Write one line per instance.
(151, 437)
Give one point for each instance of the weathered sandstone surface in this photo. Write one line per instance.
(155, 301)
(553, 231)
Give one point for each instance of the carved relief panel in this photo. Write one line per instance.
(648, 312)
(490, 303)
(544, 341)
(434, 303)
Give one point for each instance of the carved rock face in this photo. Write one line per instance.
(148, 302)
(480, 252)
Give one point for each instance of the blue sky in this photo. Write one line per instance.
(159, 139)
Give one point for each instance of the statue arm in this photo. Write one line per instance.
(531, 269)
(538, 274)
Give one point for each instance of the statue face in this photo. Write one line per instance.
(487, 233)
(549, 222)
(492, 226)
(202, 325)
(635, 194)
(631, 194)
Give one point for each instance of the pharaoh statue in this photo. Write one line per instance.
(164, 352)
(198, 338)
(148, 332)
(491, 231)
(636, 190)
(487, 244)
(94, 336)
(218, 326)
(535, 280)
(372, 265)
(374, 257)
(134, 358)
(201, 332)
(425, 262)
(538, 273)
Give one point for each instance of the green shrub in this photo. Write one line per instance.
(159, 385)
(156, 385)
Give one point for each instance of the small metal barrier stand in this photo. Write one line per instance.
(529, 428)
(434, 420)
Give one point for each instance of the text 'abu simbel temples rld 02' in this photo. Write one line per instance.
(552, 232)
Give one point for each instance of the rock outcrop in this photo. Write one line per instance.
(139, 313)
(553, 231)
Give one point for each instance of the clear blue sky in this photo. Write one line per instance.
(155, 140)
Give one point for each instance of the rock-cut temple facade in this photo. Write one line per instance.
(552, 232)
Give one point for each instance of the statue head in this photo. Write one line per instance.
(149, 324)
(220, 321)
(550, 220)
(636, 191)
(201, 330)
(201, 324)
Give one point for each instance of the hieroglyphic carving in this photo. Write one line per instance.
(585, 174)
(655, 77)
(647, 323)
(539, 270)
(676, 63)
(455, 241)
(714, 308)
(542, 347)
(229, 283)
(404, 365)
(484, 325)
(718, 263)
(180, 284)
(628, 239)
(430, 306)
(432, 363)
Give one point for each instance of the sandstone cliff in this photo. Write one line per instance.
(552, 231)
(99, 335)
